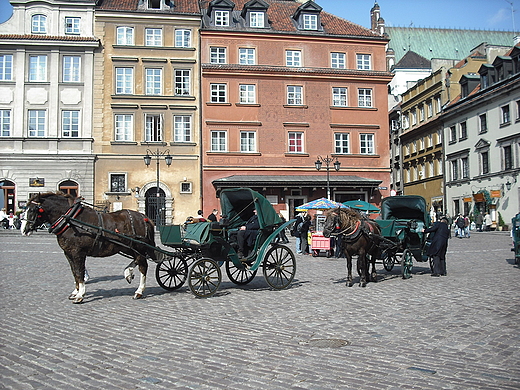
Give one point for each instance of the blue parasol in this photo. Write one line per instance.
(320, 204)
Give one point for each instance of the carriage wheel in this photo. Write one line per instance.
(407, 264)
(204, 277)
(239, 275)
(389, 261)
(279, 267)
(171, 273)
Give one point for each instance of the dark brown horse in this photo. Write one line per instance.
(82, 231)
(356, 234)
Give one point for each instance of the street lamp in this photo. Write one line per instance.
(327, 160)
(147, 160)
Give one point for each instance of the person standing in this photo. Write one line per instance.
(460, 223)
(439, 245)
(213, 216)
(466, 227)
(294, 232)
(303, 231)
(487, 222)
(479, 221)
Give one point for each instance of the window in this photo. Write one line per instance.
(294, 95)
(406, 121)
(293, 58)
(430, 108)
(217, 55)
(256, 19)
(421, 113)
(246, 56)
(38, 68)
(186, 187)
(153, 4)
(124, 127)
(295, 142)
(182, 38)
(453, 134)
(247, 93)
(484, 163)
(153, 81)
(438, 103)
(508, 157)
(37, 123)
(431, 169)
(463, 130)
(363, 61)
(421, 144)
(5, 123)
(464, 161)
(70, 124)
(153, 37)
(364, 97)
(517, 109)
(71, 69)
(366, 143)
(455, 170)
(218, 93)
(414, 117)
(124, 80)
(222, 18)
(439, 136)
(483, 122)
(310, 22)
(337, 60)
(6, 67)
(153, 128)
(218, 141)
(341, 143)
(117, 182)
(248, 141)
(125, 35)
(72, 25)
(505, 115)
(339, 96)
(182, 128)
(430, 141)
(39, 24)
(182, 82)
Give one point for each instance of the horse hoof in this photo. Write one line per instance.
(77, 300)
(349, 284)
(363, 284)
(72, 297)
(129, 275)
(138, 296)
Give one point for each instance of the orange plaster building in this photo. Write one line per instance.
(284, 84)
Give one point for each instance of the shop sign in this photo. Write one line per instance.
(36, 182)
(468, 199)
(495, 193)
(479, 197)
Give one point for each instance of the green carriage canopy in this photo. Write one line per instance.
(405, 207)
(237, 205)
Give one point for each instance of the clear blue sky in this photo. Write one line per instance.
(474, 14)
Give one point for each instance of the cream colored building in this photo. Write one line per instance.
(147, 102)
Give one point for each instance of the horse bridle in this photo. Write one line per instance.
(32, 223)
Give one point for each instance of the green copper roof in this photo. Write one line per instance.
(453, 44)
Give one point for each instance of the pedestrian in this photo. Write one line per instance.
(487, 222)
(479, 221)
(294, 231)
(303, 231)
(460, 224)
(200, 216)
(281, 238)
(438, 246)
(466, 226)
(213, 216)
(4, 219)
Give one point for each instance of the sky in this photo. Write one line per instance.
(474, 14)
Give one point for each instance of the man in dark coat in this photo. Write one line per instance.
(439, 245)
(247, 234)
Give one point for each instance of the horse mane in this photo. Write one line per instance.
(349, 217)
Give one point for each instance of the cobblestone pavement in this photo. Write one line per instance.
(456, 332)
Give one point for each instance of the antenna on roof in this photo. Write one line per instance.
(512, 15)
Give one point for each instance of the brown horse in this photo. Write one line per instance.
(82, 231)
(356, 234)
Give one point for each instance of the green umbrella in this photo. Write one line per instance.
(362, 205)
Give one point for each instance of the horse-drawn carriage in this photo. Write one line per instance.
(403, 219)
(199, 249)
(202, 247)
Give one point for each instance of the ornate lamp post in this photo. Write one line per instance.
(327, 160)
(147, 160)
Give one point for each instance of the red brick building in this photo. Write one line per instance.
(284, 82)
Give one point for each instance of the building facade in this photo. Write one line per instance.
(46, 100)
(147, 104)
(282, 83)
(482, 141)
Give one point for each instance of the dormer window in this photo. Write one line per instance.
(154, 4)
(39, 24)
(222, 18)
(254, 13)
(310, 22)
(256, 19)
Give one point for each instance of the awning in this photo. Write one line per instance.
(307, 181)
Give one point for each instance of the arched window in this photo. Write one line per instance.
(39, 24)
(69, 187)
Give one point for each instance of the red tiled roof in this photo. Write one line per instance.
(181, 6)
(39, 37)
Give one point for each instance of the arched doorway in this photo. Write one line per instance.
(7, 196)
(155, 205)
(69, 187)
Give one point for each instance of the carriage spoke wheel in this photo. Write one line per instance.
(407, 264)
(171, 273)
(279, 267)
(237, 275)
(204, 277)
(389, 261)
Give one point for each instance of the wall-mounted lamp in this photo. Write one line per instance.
(509, 184)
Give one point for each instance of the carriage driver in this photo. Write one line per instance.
(247, 234)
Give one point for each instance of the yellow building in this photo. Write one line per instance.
(146, 101)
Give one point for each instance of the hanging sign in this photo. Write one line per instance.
(495, 193)
(36, 182)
